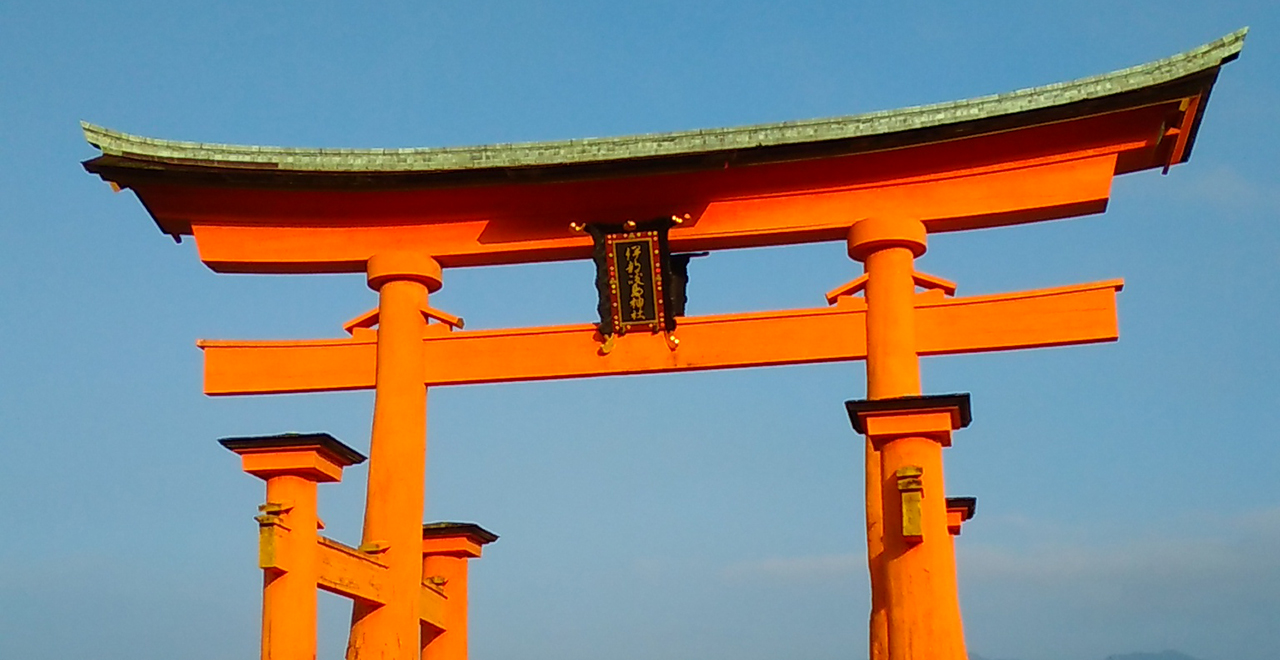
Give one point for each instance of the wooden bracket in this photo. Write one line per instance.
(365, 320)
(1182, 133)
(850, 288)
(450, 320)
(926, 281)
(922, 280)
(370, 318)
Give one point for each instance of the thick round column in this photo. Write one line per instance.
(924, 610)
(397, 457)
(888, 248)
(892, 370)
(879, 623)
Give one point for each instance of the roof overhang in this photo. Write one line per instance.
(1036, 154)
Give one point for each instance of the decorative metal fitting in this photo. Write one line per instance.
(374, 547)
(911, 487)
(275, 508)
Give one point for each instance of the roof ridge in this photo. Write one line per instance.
(648, 145)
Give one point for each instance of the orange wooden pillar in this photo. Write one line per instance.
(918, 562)
(446, 549)
(291, 464)
(397, 466)
(915, 608)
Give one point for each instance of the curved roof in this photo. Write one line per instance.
(771, 142)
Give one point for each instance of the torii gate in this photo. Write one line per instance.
(882, 181)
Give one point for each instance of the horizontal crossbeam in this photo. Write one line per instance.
(343, 231)
(348, 572)
(1062, 316)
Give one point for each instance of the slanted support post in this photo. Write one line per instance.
(397, 465)
(292, 465)
(447, 548)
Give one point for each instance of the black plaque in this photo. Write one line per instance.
(635, 281)
(633, 277)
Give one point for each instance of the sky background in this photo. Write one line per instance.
(1127, 492)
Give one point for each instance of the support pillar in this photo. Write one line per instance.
(291, 465)
(959, 511)
(910, 620)
(397, 467)
(447, 548)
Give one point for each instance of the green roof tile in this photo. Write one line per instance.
(602, 150)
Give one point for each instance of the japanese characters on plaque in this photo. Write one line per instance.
(635, 281)
(633, 277)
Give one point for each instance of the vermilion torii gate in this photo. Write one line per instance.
(881, 181)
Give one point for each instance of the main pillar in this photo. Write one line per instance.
(397, 457)
(915, 612)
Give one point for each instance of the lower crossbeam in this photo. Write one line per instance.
(1063, 316)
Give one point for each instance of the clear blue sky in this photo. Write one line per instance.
(1127, 492)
